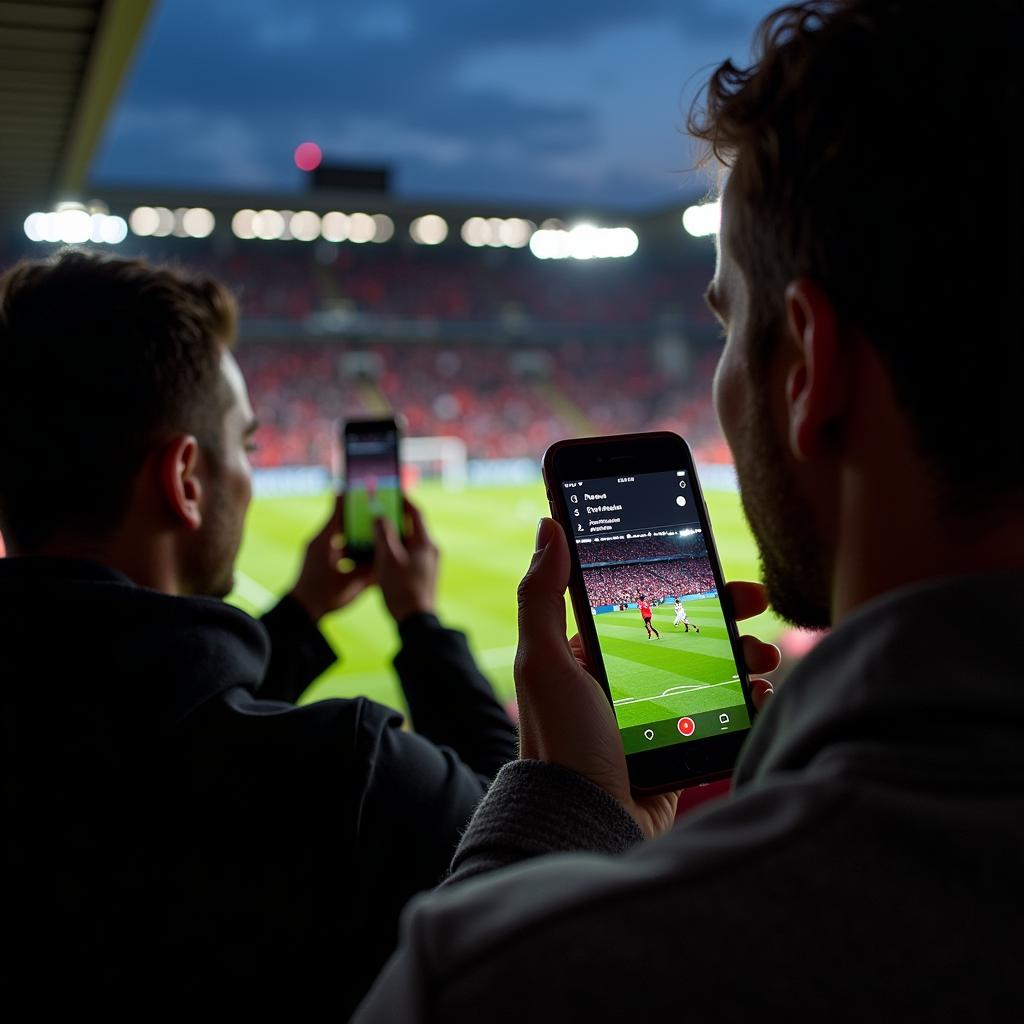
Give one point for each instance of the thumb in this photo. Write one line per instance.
(542, 641)
(333, 525)
(388, 550)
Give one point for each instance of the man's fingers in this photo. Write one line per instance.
(748, 599)
(542, 603)
(332, 527)
(576, 646)
(418, 533)
(759, 656)
(388, 549)
(761, 690)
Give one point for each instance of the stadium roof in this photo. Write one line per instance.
(61, 64)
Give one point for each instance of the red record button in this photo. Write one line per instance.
(686, 726)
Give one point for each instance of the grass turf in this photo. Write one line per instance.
(486, 536)
(657, 679)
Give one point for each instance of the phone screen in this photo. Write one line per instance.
(653, 594)
(372, 485)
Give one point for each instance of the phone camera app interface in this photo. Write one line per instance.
(659, 620)
(372, 488)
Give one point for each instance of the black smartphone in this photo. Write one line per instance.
(648, 594)
(372, 482)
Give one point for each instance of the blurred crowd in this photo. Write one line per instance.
(623, 584)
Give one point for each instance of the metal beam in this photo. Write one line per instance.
(121, 22)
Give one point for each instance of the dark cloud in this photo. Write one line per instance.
(222, 92)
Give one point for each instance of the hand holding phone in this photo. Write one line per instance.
(406, 571)
(372, 483)
(565, 717)
(647, 592)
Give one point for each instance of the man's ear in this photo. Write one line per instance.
(181, 487)
(817, 381)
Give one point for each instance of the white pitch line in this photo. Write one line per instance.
(671, 691)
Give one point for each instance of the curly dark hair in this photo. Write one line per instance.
(100, 358)
(867, 146)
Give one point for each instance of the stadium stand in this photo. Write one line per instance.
(623, 584)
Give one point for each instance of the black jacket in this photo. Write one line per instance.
(866, 867)
(175, 825)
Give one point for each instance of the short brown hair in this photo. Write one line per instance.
(100, 358)
(867, 145)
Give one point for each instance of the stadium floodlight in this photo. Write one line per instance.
(703, 219)
(583, 242)
(515, 232)
(268, 225)
(198, 222)
(494, 226)
(304, 226)
(144, 221)
(549, 244)
(334, 226)
(74, 225)
(242, 224)
(361, 228)
(113, 230)
(164, 222)
(384, 227)
(34, 227)
(474, 232)
(621, 242)
(430, 229)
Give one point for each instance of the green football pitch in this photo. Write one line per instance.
(682, 673)
(486, 537)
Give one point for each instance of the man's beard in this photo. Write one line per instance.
(210, 567)
(793, 557)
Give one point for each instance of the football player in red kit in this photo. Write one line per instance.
(645, 611)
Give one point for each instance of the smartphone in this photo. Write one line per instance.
(372, 482)
(648, 595)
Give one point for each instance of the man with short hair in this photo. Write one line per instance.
(175, 826)
(866, 864)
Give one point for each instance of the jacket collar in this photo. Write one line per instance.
(923, 684)
(110, 642)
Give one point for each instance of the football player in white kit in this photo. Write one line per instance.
(681, 618)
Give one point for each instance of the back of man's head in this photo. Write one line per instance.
(869, 147)
(101, 358)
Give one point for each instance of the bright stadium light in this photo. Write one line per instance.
(430, 229)
(268, 225)
(164, 222)
(304, 226)
(494, 226)
(51, 228)
(144, 221)
(242, 224)
(198, 222)
(114, 230)
(74, 225)
(515, 232)
(474, 232)
(34, 227)
(384, 227)
(622, 242)
(334, 226)
(361, 228)
(583, 242)
(703, 219)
